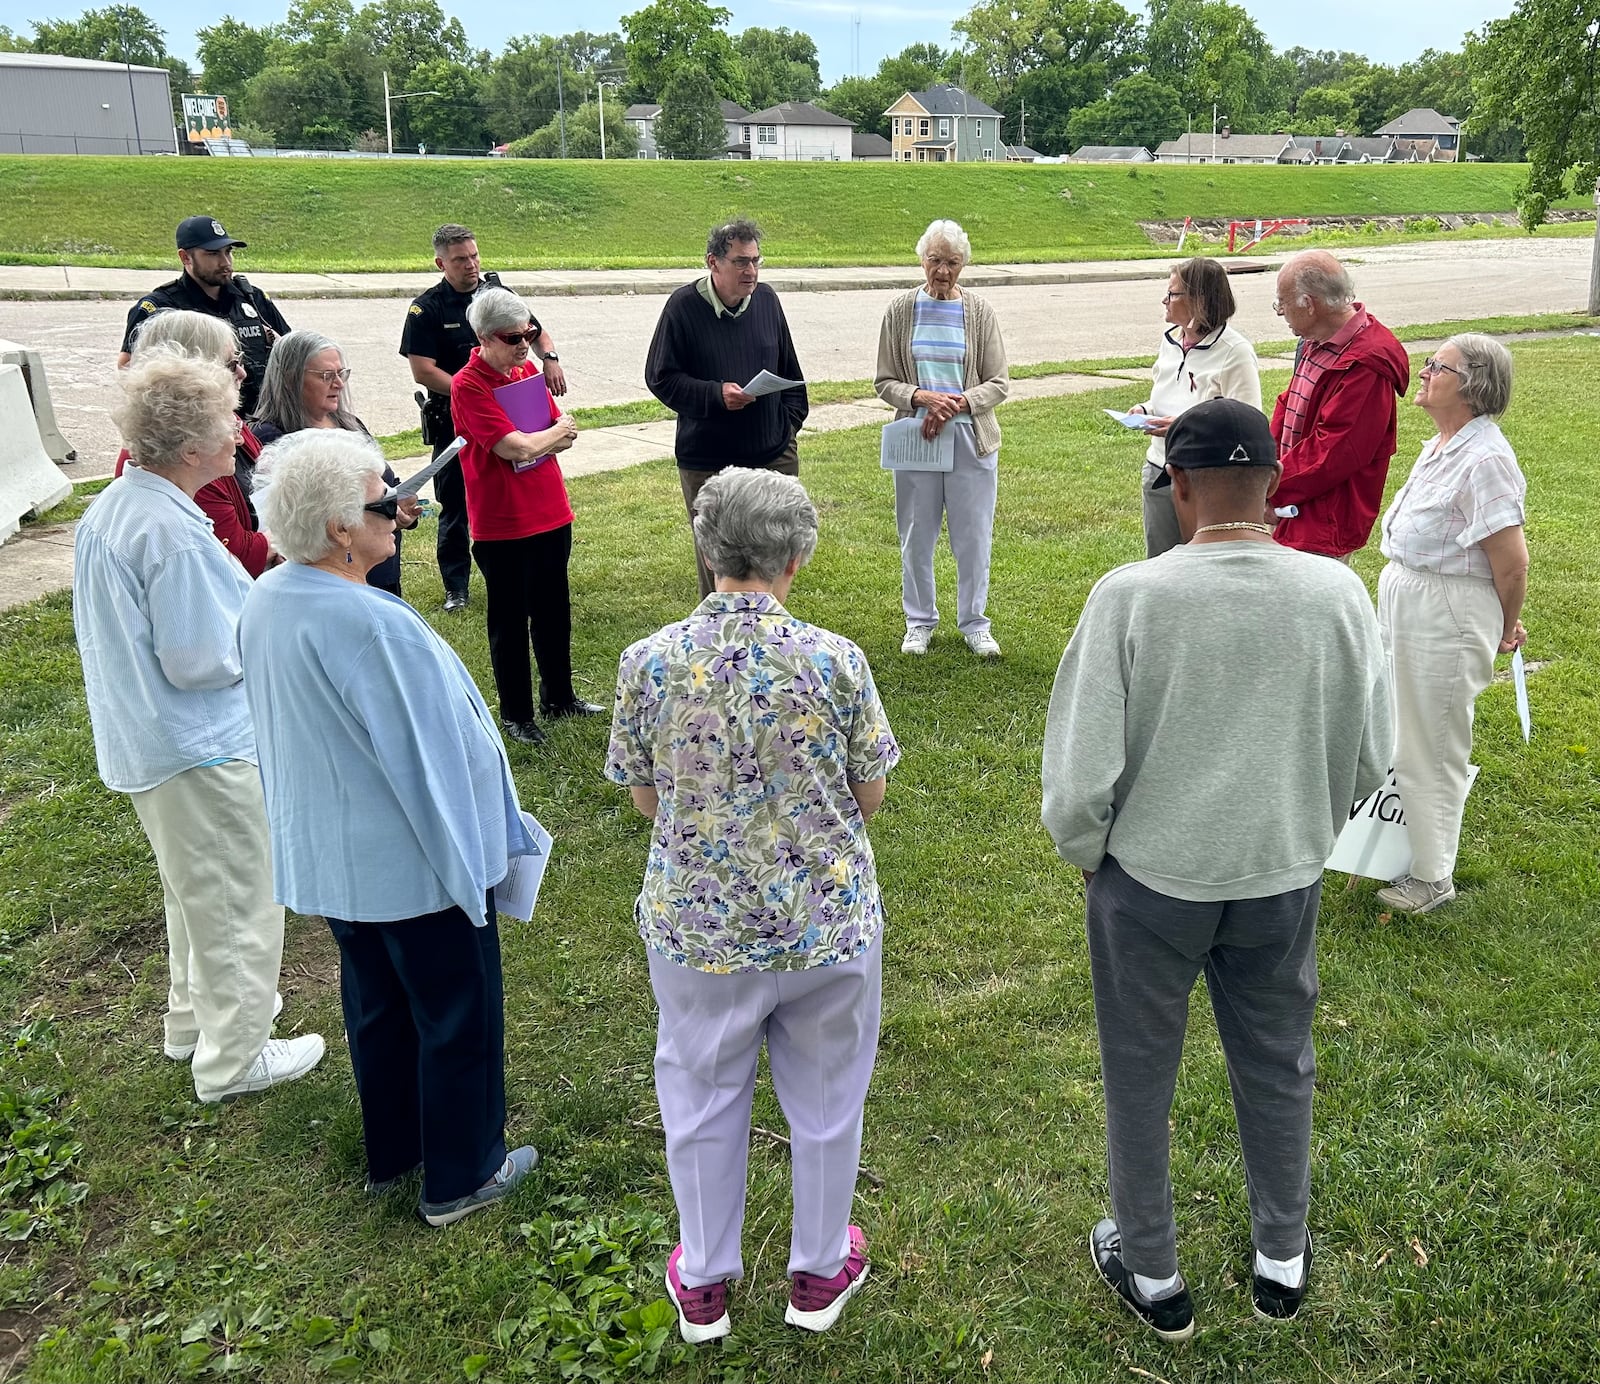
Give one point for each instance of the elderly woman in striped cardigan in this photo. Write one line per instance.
(940, 357)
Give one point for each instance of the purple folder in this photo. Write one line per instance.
(527, 405)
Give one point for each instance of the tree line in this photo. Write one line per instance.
(1063, 73)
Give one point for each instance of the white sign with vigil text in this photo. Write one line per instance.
(1374, 842)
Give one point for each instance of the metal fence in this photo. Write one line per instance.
(56, 142)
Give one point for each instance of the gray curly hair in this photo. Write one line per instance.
(754, 523)
(308, 480)
(174, 403)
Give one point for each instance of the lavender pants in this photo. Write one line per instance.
(821, 1030)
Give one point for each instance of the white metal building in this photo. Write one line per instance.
(56, 105)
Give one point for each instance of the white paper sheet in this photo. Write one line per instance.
(1519, 679)
(518, 892)
(1139, 422)
(768, 383)
(904, 448)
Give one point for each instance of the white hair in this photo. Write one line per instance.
(308, 480)
(1320, 277)
(751, 522)
(496, 310)
(948, 234)
(194, 333)
(173, 403)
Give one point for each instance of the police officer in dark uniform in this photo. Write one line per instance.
(437, 342)
(208, 284)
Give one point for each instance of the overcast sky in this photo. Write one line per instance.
(1383, 30)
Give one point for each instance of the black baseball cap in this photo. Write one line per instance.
(204, 233)
(1219, 432)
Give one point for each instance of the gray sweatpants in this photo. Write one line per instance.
(1260, 962)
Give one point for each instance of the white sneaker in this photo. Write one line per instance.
(1410, 895)
(916, 640)
(281, 1060)
(182, 1052)
(982, 643)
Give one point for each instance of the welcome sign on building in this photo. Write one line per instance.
(205, 117)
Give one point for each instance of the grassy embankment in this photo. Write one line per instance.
(1453, 1202)
(349, 215)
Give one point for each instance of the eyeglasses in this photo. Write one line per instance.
(1279, 306)
(1170, 295)
(329, 376)
(388, 506)
(1433, 365)
(237, 362)
(517, 338)
(743, 261)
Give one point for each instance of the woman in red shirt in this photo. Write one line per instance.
(520, 519)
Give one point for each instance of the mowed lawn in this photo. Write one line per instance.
(325, 215)
(1455, 1207)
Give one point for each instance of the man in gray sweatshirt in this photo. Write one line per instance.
(1217, 711)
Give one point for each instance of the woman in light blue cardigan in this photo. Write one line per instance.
(392, 815)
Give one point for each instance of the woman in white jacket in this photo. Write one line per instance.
(1201, 357)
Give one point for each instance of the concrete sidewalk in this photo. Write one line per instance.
(38, 560)
(69, 282)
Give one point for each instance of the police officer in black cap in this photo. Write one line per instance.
(437, 342)
(208, 284)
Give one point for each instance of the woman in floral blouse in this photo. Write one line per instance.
(757, 745)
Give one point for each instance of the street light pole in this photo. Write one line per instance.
(388, 119)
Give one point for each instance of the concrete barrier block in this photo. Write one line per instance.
(29, 481)
(55, 445)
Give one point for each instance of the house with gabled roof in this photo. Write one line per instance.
(1418, 129)
(1225, 147)
(1111, 153)
(945, 124)
(797, 130)
(870, 148)
(735, 119)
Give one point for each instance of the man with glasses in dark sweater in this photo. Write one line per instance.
(715, 336)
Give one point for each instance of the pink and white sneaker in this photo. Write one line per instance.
(815, 1303)
(702, 1312)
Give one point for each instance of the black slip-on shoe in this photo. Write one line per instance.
(455, 600)
(1170, 1317)
(1277, 1302)
(523, 732)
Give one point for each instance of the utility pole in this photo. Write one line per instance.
(388, 121)
(1022, 134)
(133, 101)
(600, 91)
(561, 103)
(1594, 267)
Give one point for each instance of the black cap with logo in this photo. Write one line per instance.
(204, 233)
(1219, 432)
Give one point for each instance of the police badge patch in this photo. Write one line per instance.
(416, 311)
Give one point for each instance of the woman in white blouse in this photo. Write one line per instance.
(1201, 357)
(1450, 599)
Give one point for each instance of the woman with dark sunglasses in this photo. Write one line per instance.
(393, 815)
(519, 517)
(307, 386)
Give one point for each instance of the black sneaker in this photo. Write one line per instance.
(1276, 1302)
(576, 707)
(523, 732)
(454, 600)
(1170, 1317)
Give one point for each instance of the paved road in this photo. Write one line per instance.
(603, 339)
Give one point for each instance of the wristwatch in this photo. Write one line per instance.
(551, 355)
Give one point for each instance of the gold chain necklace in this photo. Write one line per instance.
(1242, 524)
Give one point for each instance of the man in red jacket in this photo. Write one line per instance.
(1335, 424)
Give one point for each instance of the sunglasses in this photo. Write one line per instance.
(389, 507)
(329, 376)
(517, 338)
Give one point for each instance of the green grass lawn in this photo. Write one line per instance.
(1455, 1207)
(352, 215)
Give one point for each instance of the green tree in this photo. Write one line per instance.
(404, 34)
(1539, 69)
(1007, 39)
(454, 119)
(1324, 67)
(230, 54)
(1211, 51)
(690, 124)
(1328, 108)
(12, 42)
(583, 136)
(304, 106)
(118, 33)
(1138, 110)
(779, 65)
(673, 35)
(864, 100)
